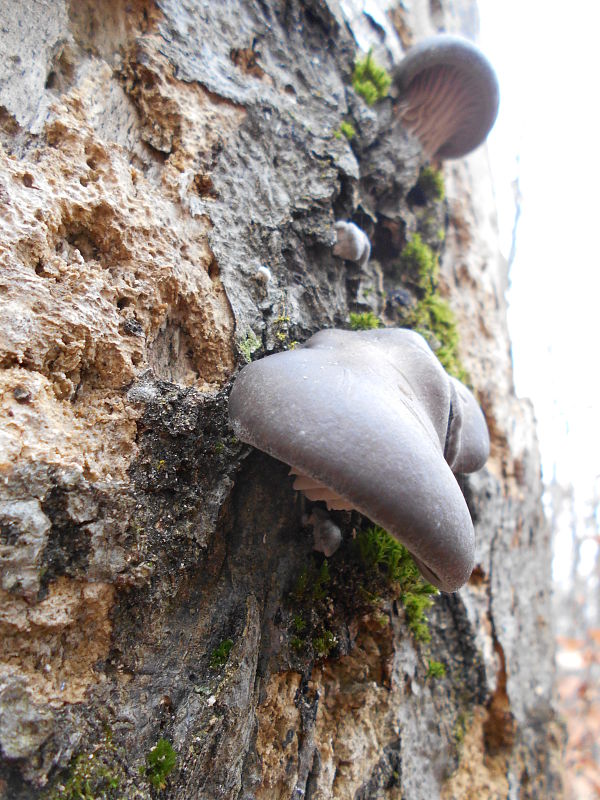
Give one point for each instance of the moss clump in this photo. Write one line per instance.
(369, 80)
(299, 623)
(367, 571)
(96, 775)
(311, 585)
(321, 582)
(436, 670)
(220, 655)
(379, 552)
(312, 636)
(281, 326)
(432, 317)
(364, 322)
(160, 762)
(463, 721)
(324, 644)
(346, 129)
(419, 264)
(431, 184)
(250, 344)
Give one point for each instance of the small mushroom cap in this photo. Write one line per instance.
(366, 414)
(263, 274)
(456, 92)
(327, 536)
(472, 447)
(351, 243)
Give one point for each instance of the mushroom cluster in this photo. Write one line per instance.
(448, 95)
(370, 420)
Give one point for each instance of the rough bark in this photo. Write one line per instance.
(154, 155)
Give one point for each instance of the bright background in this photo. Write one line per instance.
(547, 58)
(546, 142)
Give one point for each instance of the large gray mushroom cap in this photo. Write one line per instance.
(366, 414)
(450, 95)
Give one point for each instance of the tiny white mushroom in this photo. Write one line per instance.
(351, 243)
(327, 537)
(263, 274)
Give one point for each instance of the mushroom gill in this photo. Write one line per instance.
(315, 491)
(449, 95)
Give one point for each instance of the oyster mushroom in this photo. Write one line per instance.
(366, 419)
(449, 95)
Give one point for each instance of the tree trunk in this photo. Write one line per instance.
(157, 576)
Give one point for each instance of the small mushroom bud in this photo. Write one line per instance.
(263, 274)
(351, 243)
(327, 536)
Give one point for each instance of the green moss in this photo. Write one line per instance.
(324, 644)
(369, 80)
(463, 721)
(380, 552)
(282, 332)
(365, 321)
(367, 572)
(301, 586)
(160, 762)
(220, 655)
(348, 129)
(431, 183)
(311, 585)
(419, 264)
(310, 632)
(321, 582)
(299, 623)
(96, 775)
(432, 317)
(436, 670)
(250, 344)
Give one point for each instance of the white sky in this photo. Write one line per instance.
(546, 55)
